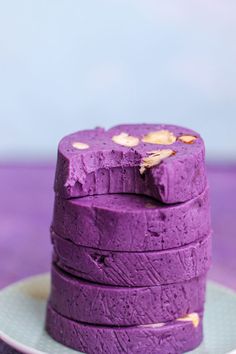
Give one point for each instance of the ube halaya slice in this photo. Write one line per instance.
(174, 337)
(94, 303)
(165, 162)
(133, 268)
(125, 222)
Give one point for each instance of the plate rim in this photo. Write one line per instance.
(5, 337)
(37, 277)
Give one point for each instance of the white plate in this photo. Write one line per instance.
(22, 315)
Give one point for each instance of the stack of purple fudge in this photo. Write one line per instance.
(131, 238)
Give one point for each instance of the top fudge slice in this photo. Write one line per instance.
(165, 162)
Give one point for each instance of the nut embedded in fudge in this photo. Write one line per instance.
(165, 162)
(168, 338)
(89, 302)
(131, 233)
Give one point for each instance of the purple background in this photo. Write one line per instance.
(26, 202)
(26, 209)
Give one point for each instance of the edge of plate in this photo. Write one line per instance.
(18, 346)
(27, 350)
(3, 336)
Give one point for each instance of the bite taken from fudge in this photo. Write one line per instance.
(165, 162)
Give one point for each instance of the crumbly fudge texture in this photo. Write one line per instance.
(165, 162)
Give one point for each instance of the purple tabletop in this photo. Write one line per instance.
(26, 202)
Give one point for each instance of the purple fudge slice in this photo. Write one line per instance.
(165, 162)
(133, 268)
(162, 338)
(125, 222)
(109, 305)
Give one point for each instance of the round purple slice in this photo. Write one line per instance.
(125, 222)
(109, 305)
(165, 162)
(169, 338)
(133, 268)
